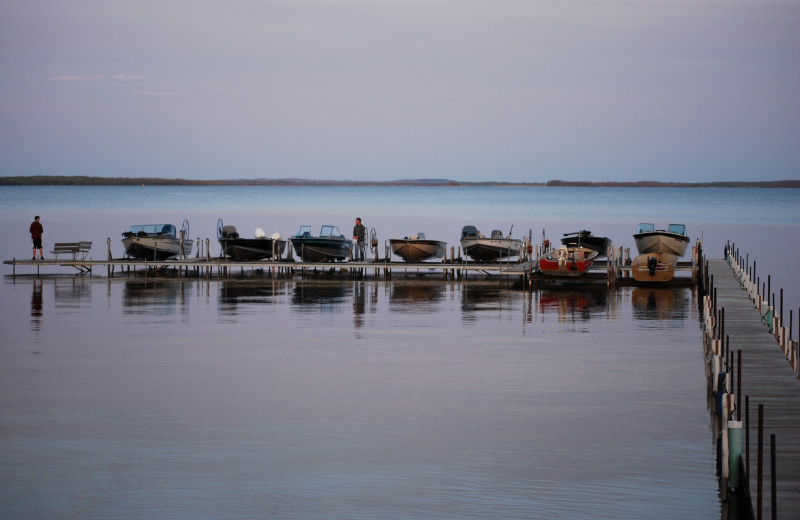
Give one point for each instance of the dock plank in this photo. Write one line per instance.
(768, 379)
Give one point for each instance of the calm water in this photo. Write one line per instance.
(243, 398)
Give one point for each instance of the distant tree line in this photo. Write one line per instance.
(84, 180)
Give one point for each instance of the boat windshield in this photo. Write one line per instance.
(469, 231)
(329, 231)
(645, 228)
(678, 229)
(303, 231)
(154, 229)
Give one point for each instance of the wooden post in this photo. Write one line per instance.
(760, 470)
(773, 491)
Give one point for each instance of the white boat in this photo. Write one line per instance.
(417, 248)
(483, 249)
(673, 240)
(157, 241)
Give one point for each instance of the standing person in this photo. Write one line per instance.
(36, 234)
(359, 236)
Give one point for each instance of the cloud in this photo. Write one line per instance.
(157, 93)
(127, 77)
(96, 77)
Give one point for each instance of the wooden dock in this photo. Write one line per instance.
(604, 272)
(761, 362)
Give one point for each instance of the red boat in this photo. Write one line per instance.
(567, 261)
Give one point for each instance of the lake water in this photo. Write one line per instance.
(253, 397)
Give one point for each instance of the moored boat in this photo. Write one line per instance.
(487, 249)
(157, 241)
(330, 245)
(247, 249)
(417, 248)
(673, 240)
(584, 238)
(654, 267)
(567, 261)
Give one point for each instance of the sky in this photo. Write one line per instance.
(468, 90)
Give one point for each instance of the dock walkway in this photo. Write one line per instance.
(766, 377)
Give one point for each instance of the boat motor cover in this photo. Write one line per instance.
(229, 231)
(276, 236)
(469, 231)
(259, 233)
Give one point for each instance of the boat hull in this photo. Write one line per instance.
(490, 249)
(661, 242)
(249, 249)
(567, 262)
(155, 248)
(586, 239)
(417, 250)
(654, 267)
(313, 249)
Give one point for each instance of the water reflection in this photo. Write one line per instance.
(36, 305)
(660, 304)
(156, 298)
(312, 296)
(481, 298)
(572, 304)
(416, 297)
(72, 292)
(235, 294)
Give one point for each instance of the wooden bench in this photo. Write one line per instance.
(75, 249)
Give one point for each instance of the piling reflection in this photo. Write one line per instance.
(36, 305)
(660, 304)
(72, 292)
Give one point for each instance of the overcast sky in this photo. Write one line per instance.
(529, 90)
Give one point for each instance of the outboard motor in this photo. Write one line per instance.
(652, 263)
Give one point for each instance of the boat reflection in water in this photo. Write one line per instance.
(415, 296)
(152, 297)
(319, 296)
(662, 305)
(573, 305)
(236, 295)
(477, 298)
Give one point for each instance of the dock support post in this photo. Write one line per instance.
(734, 453)
(760, 467)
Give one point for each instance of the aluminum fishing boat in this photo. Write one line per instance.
(483, 249)
(247, 249)
(654, 267)
(584, 238)
(673, 240)
(330, 245)
(417, 248)
(157, 242)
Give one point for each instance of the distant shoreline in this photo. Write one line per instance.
(77, 180)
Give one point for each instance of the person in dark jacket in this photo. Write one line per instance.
(36, 234)
(359, 237)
